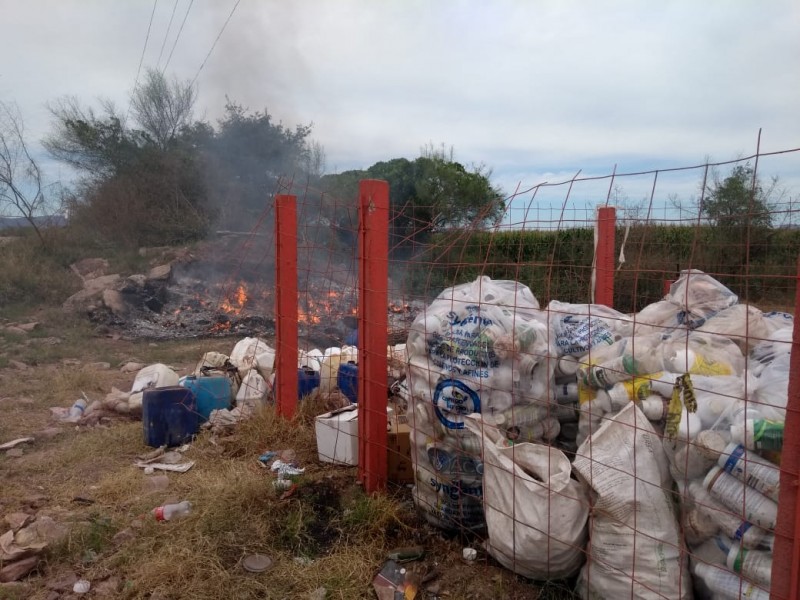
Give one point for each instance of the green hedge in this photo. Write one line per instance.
(759, 265)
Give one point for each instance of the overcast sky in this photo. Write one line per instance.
(535, 90)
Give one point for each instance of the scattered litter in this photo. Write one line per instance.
(303, 561)
(282, 484)
(394, 579)
(181, 468)
(82, 586)
(17, 442)
(256, 563)
(401, 555)
(156, 483)
(171, 458)
(267, 457)
(318, 594)
(172, 511)
(289, 493)
(83, 500)
(469, 554)
(153, 455)
(286, 469)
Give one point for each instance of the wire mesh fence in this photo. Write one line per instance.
(641, 445)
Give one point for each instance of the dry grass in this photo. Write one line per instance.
(327, 534)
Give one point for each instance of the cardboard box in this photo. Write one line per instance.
(337, 436)
(399, 453)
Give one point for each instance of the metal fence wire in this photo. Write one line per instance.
(602, 391)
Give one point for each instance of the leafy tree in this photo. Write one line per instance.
(21, 187)
(734, 202)
(429, 194)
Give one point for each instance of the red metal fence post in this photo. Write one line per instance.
(786, 554)
(286, 304)
(604, 256)
(373, 322)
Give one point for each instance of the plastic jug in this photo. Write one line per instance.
(347, 380)
(211, 393)
(169, 416)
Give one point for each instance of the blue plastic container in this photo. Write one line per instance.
(307, 381)
(211, 393)
(169, 416)
(347, 380)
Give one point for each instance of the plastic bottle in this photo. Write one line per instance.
(567, 367)
(655, 408)
(734, 494)
(758, 434)
(755, 565)
(710, 511)
(758, 473)
(725, 584)
(172, 511)
(77, 409)
(566, 392)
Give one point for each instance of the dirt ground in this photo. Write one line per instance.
(327, 534)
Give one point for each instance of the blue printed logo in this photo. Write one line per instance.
(452, 400)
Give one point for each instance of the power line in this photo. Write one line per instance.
(166, 35)
(214, 45)
(185, 16)
(141, 59)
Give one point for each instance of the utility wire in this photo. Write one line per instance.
(214, 45)
(166, 35)
(175, 43)
(141, 60)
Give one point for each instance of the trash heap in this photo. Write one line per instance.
(687, 396)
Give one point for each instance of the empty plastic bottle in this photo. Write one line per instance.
(76, 410)
(172, 511)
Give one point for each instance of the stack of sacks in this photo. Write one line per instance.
(480, 347)
(576, 329)
(720, 417)
(693, 299)
(729, 477)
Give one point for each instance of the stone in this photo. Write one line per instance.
(17, 520)
(15, 452)
(90, 268)
(49, 432)
(18, 569)
(107, 588)
(136, 281)
(160, 273)
(71, 362)
(132, 367)
(28, 326)
(91, 293)
(18, 365)
(63, 583)
(115, 302)
(99, 366)
(123, 537)
(15, 330)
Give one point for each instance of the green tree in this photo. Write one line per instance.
(735, 202)
(430, 194)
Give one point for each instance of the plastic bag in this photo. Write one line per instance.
(480, 347)
(699, 297)
(535, 513)
(636, 549)
(577, 328)
(744, 324)
(253, 353)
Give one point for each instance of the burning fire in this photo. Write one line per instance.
(234, 303)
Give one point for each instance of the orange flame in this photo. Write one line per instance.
(236, 301)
